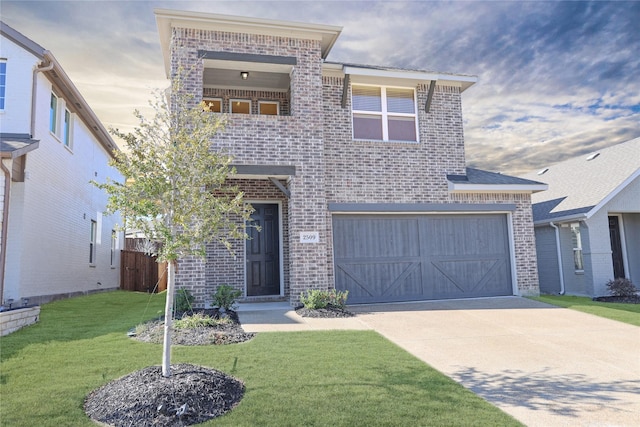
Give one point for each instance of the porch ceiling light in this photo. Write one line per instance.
(244, 75)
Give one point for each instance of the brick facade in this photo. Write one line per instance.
(314, 135)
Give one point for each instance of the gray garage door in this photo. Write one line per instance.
(382, 258)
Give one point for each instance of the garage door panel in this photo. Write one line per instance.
(379, 280)
(412, 257)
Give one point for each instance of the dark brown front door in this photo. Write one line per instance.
(263, 252)
(616, 247)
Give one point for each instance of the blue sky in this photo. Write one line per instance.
(555, 79)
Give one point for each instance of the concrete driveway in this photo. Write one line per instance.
(544, 365)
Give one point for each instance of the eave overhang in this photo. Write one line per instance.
(460, 187)
(405, 78)
(166, 20)
(77, 104)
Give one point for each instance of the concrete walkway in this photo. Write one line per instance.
(544, 365)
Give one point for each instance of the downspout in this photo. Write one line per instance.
(559, 254)
(5, 226)
(7, 178)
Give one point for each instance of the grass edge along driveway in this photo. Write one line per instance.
(627, 313)
(338, 378)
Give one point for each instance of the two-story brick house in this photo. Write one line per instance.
(54, 240)
(357, 173)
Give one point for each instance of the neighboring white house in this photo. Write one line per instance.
(55, 241)
(587, 224)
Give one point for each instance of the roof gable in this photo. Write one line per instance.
(583, 184)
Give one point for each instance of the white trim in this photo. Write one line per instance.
(455, 187)
(614, 193)
(242, 100)
(280, 245)
(276, 103)
(384, 114)
(623, 243)
(206, 99)
(512, 255)
(406, 78)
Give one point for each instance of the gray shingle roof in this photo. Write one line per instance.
(478, 176)
(578, 185)
(14, 145)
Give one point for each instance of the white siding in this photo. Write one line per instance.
(16, 117)
(51, 211)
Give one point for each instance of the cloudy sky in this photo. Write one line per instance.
(556, 79)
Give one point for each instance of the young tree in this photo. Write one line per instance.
(176, 190)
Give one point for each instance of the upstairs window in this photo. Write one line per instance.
(240, 106)
(269, 108)
(66, 134)
(53, 114)
(384, 113)
(215, 105)
(3, 83)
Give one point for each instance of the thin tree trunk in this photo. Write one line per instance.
(168, 319)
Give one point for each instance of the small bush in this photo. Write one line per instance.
(183, 301)
(198, 320)
(621, 287)
(316, 299)
(225, 297)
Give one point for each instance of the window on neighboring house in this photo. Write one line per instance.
(92, 242)
(67, 128)
(270, 108)
(53, 114)
(3, 82)
(114, 246)
(384, 113)
(215, 105)
(577, 247)
(240, 106)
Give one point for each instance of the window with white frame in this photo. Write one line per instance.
(269, 108)
(577, 247)
(214, 105)
(53, 114)
(3, 83)
(92, 242)
(384, 113)
(240, 106)
(61, 120)
(114, 247)
(67, 128)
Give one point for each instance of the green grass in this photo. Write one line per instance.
(627, 313)
(337, 378)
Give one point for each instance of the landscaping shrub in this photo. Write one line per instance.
(184, 301)
(225, 297)
(621, 287)
(198, 320)
(316, 299)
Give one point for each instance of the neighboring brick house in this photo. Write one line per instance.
(357, 173)
(55, 242)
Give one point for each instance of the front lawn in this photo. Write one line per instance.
(337, 378)
(627, 313)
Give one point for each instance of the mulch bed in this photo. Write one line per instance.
(635, 299)
(328, 312)
(191, 395)
(231, 333)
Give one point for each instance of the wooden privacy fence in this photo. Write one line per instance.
(140, 272)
